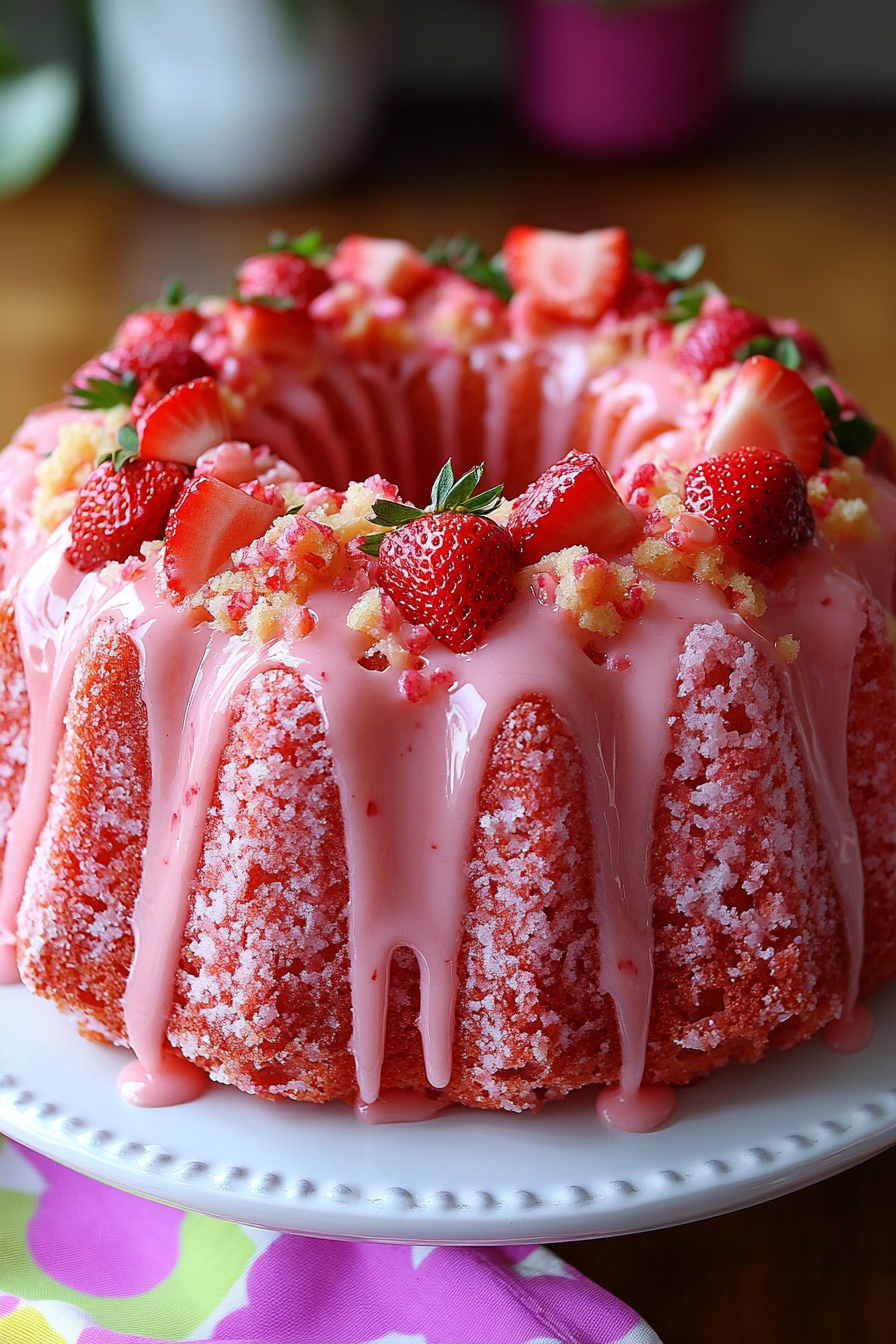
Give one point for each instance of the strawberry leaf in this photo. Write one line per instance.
(781, 348)
(128, 447)
(467, 257)
(281, 303)
(103, 394)
(485, 502)
(685, 304)
(172, 293)
(853, 434)
(371, 545)
(679, 271)
(309, 244)
(462, 490)
(389, 513)
(442, 488)
(827, 401)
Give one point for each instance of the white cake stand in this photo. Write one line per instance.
(748, 1134)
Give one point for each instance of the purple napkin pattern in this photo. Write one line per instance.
(81, 1263)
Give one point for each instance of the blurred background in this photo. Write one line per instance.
(145, 138)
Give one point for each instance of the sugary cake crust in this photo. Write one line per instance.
(262, 989)
(75, 937)
(749, 949)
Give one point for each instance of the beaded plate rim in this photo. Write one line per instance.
(749, 1134)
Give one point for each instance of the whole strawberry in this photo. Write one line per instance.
(118, 508)
(756, 501)
(447, 567)
(718, 334)
(281, 275)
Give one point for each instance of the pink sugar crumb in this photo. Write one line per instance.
(131, 568)
(633, 605)
(643, 476)
(417, 638)
(414, 686)
(544, 586)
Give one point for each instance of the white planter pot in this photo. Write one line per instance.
(231, 100)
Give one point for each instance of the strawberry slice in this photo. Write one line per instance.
(210, 522)
(258, 329)
(574, 503)
(576, 276)
(186, 423)
(768, 406)
(116, 510)
(381, 265)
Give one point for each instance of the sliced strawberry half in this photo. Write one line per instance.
(574, 503)
(186, 423)
(210, 522)
(768, 406)
(572, 276)
(381, 265)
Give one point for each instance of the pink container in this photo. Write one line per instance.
(620, 81)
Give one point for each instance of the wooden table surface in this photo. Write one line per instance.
(797, 208)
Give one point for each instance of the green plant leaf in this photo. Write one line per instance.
(485, 502)
(685, 304)
(462, 489)
(389, 513)
(827, 401)
(102, 394)
(128, 447)
(444, 483)
(172, 292)
(309, 244)
(781, 348)
(855, 435)
(465, 255)
(679, 271)
(371, 545)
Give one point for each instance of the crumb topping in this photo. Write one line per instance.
(61, 474)
(840, 497)
(598, 594)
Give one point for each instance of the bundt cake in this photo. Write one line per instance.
(331, 772)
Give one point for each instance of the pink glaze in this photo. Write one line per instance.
(176, 1083)
(850, 1033)
(638, 1112)
(9, 971)
(394, 1107)
(408, 881)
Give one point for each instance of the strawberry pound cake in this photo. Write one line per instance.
(428, 678)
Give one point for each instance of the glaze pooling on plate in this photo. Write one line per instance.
(744, 1136)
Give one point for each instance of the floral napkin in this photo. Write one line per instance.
(81, 1263)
